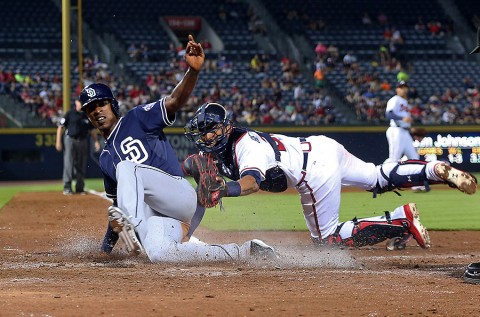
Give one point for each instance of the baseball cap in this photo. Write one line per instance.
(402, 83)
(477, 49)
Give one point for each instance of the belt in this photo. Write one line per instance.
(78, 138)
(305, 153)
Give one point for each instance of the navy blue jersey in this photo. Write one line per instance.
(138, 137)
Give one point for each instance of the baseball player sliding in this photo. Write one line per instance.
(317, 167)
(153, 202)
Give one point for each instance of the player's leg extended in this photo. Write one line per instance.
(401, 224)
(163, 243)
(417, 173)
(356, 172)
(129, 218)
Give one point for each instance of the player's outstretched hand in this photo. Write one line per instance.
(194, 54)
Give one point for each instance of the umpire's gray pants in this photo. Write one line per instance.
(75, 162)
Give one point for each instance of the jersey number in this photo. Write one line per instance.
(134, 150)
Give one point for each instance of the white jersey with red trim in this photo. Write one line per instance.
(399, 107)
(317, 167)
(255, 153)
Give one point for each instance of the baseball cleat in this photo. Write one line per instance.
(260, 249)
(418, 231)
(456, 178)
(125, 229)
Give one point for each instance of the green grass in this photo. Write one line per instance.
(441, 209)
(7, 192)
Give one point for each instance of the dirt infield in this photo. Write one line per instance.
(50, 266)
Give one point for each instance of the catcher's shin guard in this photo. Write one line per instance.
(461, 180)
(362, 232)
(398, 181)
(398, 226)
(125, 229)
(371, 231)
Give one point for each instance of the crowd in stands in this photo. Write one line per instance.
(268, 99)
(41, 94)
(368, 93)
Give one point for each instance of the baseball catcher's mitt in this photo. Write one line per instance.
(203, 169)
(418, 133)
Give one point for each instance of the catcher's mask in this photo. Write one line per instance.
(98, 91)
(209, 118)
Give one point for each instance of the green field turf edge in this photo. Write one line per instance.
(442, 208)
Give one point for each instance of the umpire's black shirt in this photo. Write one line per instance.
(76, 124)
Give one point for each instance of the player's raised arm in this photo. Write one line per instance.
(195, 57)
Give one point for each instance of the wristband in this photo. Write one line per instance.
(233, 189)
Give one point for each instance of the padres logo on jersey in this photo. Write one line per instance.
(134, 150)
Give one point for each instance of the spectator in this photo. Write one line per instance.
(385, 85)
(382, 18)
(321, 49)
(435, 28)
(132, 51)
(319, 78)
(349, 60)
(450, 115)
(144, 51)
(402, 75)
(366, 20)
(207, 46)
(332, 52)
(298, 92)
(420, 25)
(256, 64)
(397, 36)
(384, 55)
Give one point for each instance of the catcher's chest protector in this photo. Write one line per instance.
(275, 179)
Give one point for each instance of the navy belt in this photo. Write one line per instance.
(305, 154)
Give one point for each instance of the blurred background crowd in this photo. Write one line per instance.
(268, 61)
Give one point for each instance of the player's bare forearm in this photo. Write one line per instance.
(181, 92)
(249, 185)
(195, 58)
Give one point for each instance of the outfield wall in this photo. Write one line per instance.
(29, 154)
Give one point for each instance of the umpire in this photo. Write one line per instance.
(75, 128)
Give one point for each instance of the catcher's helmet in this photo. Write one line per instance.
(98, 91)
(209, 118)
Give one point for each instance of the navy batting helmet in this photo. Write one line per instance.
(209, 118)
(98, 91)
